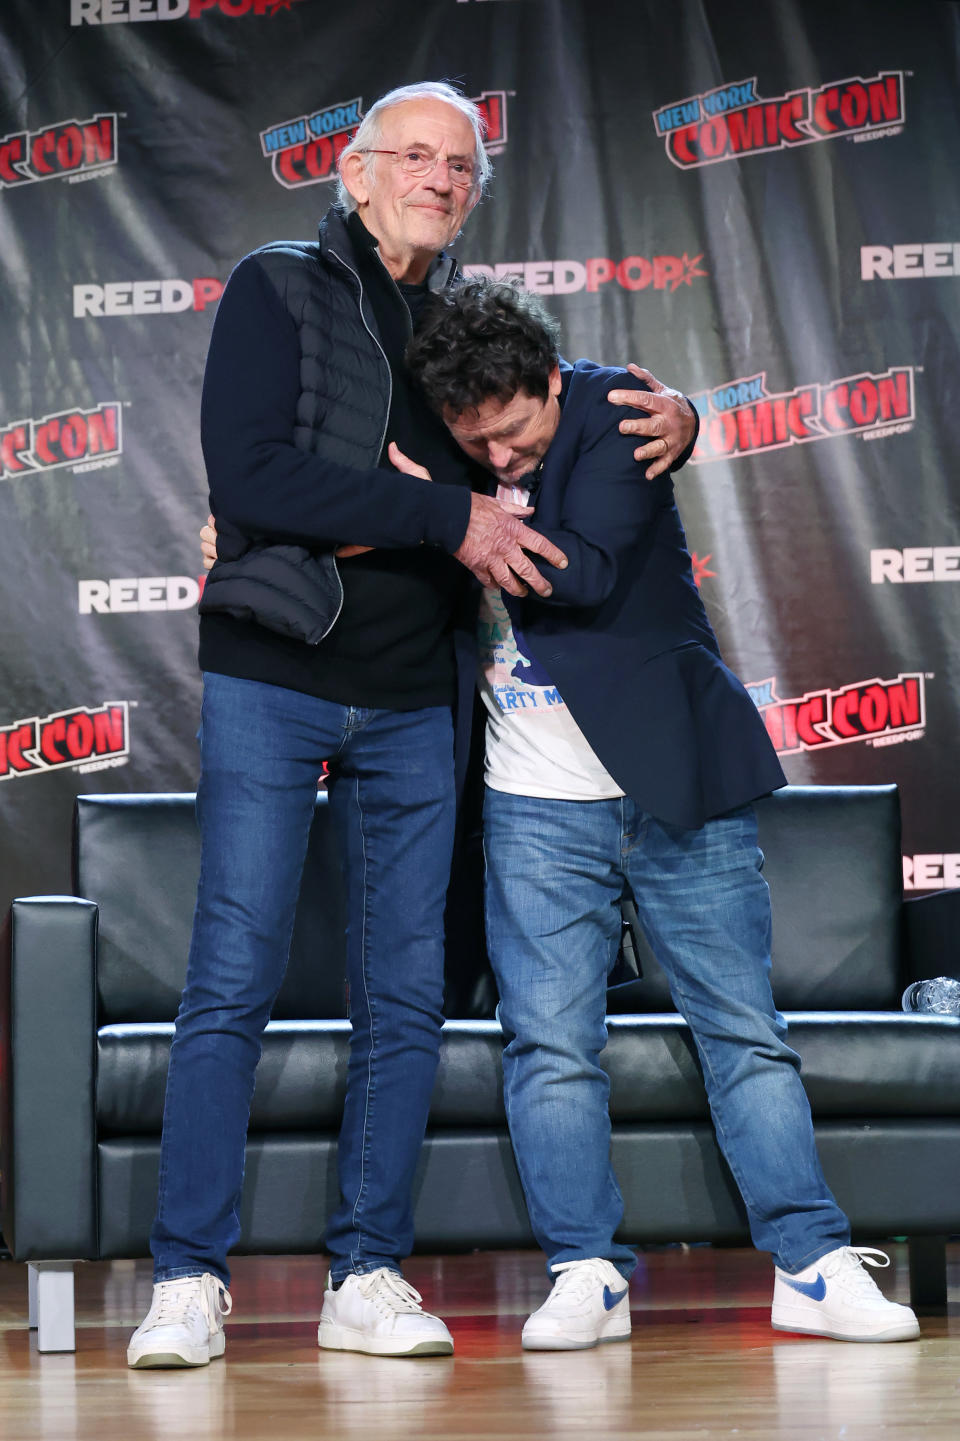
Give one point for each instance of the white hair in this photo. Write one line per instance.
(370, 132)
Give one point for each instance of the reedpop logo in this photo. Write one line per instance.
(915, 563)
(919, 260)
(131, 12)
(127, 594)
(564, 277)
(145, 297)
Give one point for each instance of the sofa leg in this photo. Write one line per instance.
(50, 1291)
(928, 1273)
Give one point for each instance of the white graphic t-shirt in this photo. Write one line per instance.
(534, 746)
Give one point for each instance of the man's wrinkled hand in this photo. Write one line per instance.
(494, 545)
(669, 426)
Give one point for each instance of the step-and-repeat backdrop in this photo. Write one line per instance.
(760, 203)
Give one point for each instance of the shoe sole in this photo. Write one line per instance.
(169, 1360)
(903, 1331)
(559, 1343)
(341, 1338)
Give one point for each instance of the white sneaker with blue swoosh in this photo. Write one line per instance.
(837, 1297)
(589, 1303)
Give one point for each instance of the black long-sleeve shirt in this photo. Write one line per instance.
(391, 646)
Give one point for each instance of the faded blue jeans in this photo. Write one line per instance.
(392, 802)
(555, 874)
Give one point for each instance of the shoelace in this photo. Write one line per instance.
(847, 1266)
(575, 1279)
(176, 1299)
(390, 1292)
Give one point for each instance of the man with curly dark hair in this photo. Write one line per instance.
(621, 752)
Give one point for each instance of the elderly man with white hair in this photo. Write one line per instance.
(328, 637)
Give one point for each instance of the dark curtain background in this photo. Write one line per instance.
(760, 203)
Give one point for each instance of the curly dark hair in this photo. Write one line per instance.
(484, 340)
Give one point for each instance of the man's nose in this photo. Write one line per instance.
(439, 176)
(499, 455)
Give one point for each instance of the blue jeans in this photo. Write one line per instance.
(555, 874)
(392, 803)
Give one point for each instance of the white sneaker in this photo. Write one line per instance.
(589, 1303)
(837, 1297)
(184, 1326)
(380, 1314)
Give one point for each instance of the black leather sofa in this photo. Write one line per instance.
(90, 987)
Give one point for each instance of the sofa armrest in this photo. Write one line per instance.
(48, 1000)
(931, 928)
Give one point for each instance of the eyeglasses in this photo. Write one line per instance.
(420, 161)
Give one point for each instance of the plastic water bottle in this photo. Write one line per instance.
(939, 997)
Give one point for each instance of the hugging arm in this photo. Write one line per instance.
(668, 424)
(607, 511)
(264, 486)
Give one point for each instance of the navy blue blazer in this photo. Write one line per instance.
(625, 637)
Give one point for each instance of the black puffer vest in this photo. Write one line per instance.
(342, 412)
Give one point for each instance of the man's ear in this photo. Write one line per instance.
(554, 382)
(353, 173)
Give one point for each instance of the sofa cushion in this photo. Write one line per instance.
(832, 861)
(467, 1193)
(853, 1064)
(864, 1064)
(301, 1079)
(138, 857)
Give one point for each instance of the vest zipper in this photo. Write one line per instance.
(383, 353)
(386, 422)
(383, 433)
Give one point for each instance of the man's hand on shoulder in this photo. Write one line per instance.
(493, 548)
(668, 428)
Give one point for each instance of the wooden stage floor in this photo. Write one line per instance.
(703, 1363)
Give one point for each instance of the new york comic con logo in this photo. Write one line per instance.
(305, 151)
(85, 439)
(84, 738)
(880, 712)
(741, 417)
(732, 121)
(67, 150)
